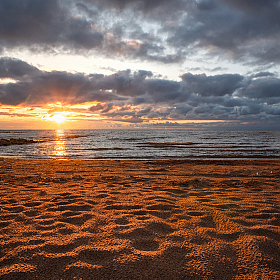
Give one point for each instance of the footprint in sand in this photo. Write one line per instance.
(96, 256)
(207, 221)
(195, 213)
(123, 207)
(4, 224)
(225, 236)
(122, 221)
(162, 206)
(142, 239)
(14, 209)
(204, 199)
(243, 222)
(199, 240)
(159, 228)
(33, 204)
(145, 245)
(52, 265)
(65, 231)
(102, 195)
(59, 248)
(261, 216)
(146, 238)
(225, 206)
(31, 213)
(46, 222)
(175, 192)
(264, 231)
(141, 215)
(77, 219)
(49, 227)
(270, 248)
(72, 207)
(160, 214)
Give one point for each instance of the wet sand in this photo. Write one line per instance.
(165, 219)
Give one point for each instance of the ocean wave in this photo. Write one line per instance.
(106, 149)
(75, 136)
(164, 145)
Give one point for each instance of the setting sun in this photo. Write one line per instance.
(58, 118)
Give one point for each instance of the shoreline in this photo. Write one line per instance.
(194, 158)
(245, 161)
(148, 219)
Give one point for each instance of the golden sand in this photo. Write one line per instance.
(89, 219)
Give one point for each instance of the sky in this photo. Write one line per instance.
(86, 64)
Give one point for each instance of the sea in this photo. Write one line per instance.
(143, 144)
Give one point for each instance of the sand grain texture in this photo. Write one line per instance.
(163, 219)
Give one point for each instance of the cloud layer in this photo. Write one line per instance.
(161, 30)
(139, 97)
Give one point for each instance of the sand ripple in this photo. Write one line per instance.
(139, 220)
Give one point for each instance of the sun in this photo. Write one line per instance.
(58, 118)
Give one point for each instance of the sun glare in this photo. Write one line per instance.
(58, 118)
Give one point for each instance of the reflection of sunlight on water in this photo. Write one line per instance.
(59, 147)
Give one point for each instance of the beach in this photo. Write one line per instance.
(139, 219)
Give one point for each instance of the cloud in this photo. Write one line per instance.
(15, 68)
(161, 30)
(263, 74)
(81, 28)
(141, 97)
(264, 88)
(243, 31)
(49, 87)
(44, 25)
(254, 6)
(217, 85)
(140, 5)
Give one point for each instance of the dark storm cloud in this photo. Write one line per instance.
(44, 24)
(140, 96)
(161, 30)
(242, 30)
(73, 27)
